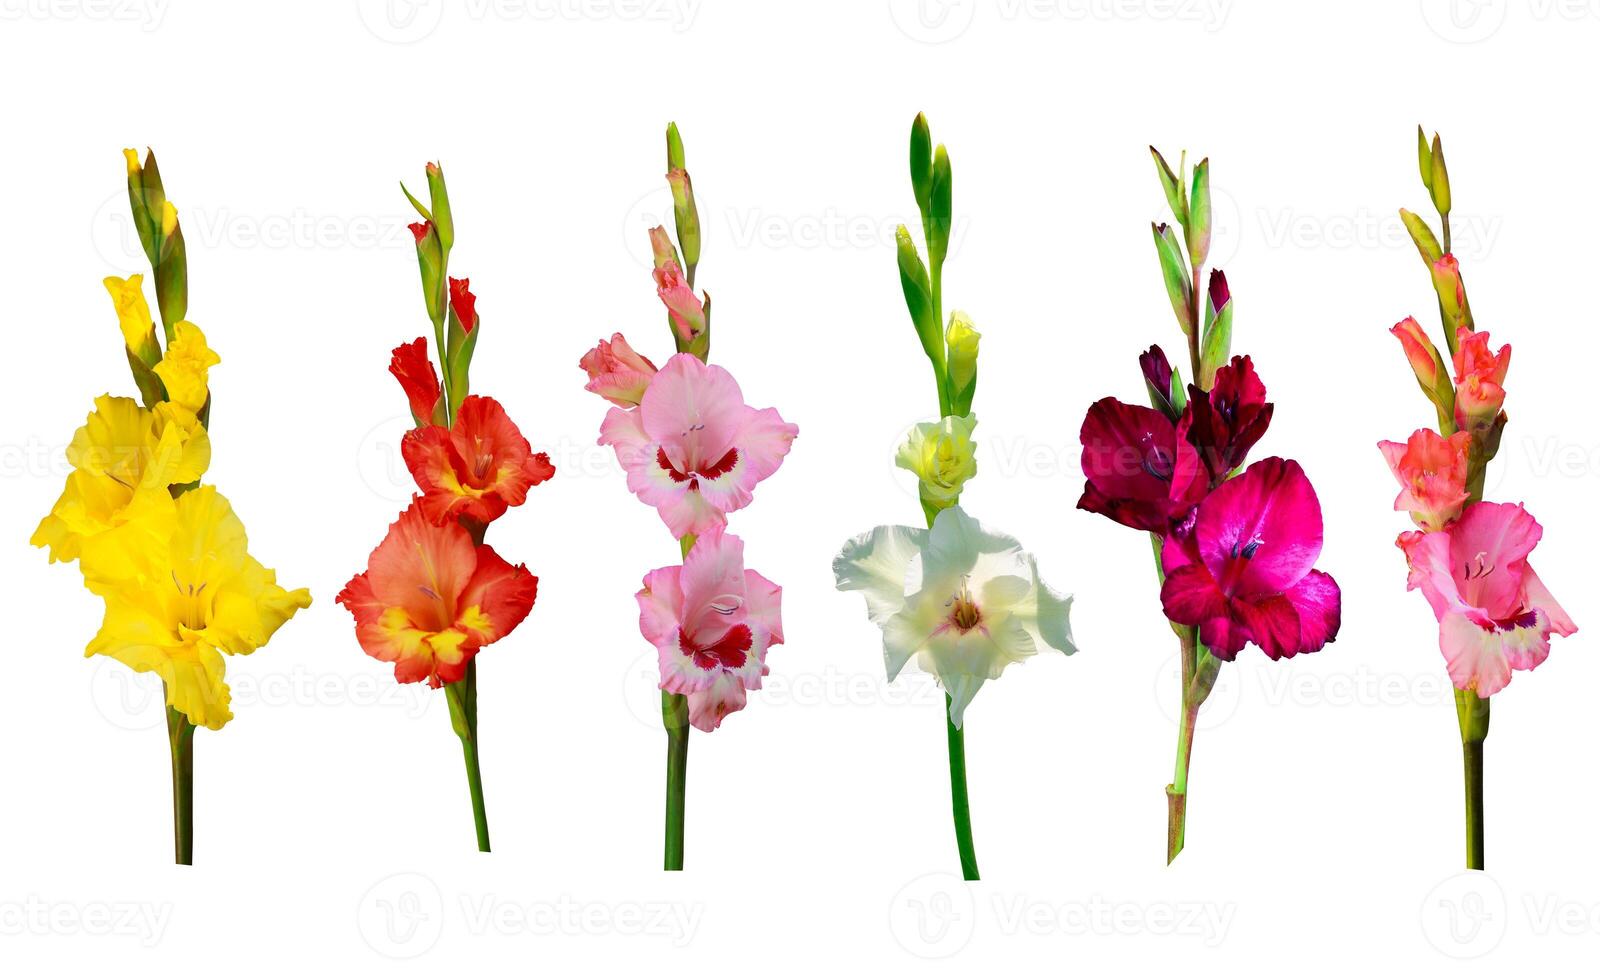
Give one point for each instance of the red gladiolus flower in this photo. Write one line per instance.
(420, 229)
(414, 370)
(430, 599)
(476, 468)
(464, 303)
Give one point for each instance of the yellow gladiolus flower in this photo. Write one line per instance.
(942, 455)
(186, 365)
(133, 315)
(121, 451)
(180, 590)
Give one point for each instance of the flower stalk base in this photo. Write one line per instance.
(180, 739)
(675, 718)
(1473, 714)
(463, 698)
(959, 808)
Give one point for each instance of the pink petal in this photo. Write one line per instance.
(1261, 531)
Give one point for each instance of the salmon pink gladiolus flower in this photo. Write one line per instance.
(1480, 380)
(412, 367)
(617, 372)
(693, 449)
(1141, 471)
(1495, 615)
(1432, 471)
(430, 598)
(1242, 571)
(477, 468)
(711, 621)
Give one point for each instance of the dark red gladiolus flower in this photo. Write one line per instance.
(1158, 379)
(1140, 472)
(1226, 422)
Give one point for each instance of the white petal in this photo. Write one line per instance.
(875, 564)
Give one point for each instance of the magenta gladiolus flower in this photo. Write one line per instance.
(1495, 615)
(711, 621)
(1241, 570)
(1141, 471)
(693, 449)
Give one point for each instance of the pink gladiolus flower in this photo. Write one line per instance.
(1432, 471)
(711, 621)
(687, 311)
(693, 449)
(616, 372)
(1141, 471)
(1495, 616)
(1242, 571)
(1480, 380)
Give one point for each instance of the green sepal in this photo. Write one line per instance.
(1439, 187)
(440, 198)
(1424, 159)
(1217, 341)
(919, 297)
(1422, 236)
(675, 158)
(461, 344)
(700, 344)
(1175, 276)
(939, 210)
(172, 281)
(921, 163)
(1171, 187)
(151, 390)
(1197, 230)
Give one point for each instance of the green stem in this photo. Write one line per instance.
(180, 740)
(462, 696)
(1472, 714)
(1178, 791)
(959, 807)
(675, 717)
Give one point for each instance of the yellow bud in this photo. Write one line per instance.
(132, 156)
(169, 218)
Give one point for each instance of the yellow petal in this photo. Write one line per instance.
(185, 368)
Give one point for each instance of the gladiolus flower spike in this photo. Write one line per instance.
(1468, 557)
(163, 550)
(433, 594)
(963, 600)
(1235, 543)
(695, 452)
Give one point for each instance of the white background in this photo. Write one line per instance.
(1325, 828)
